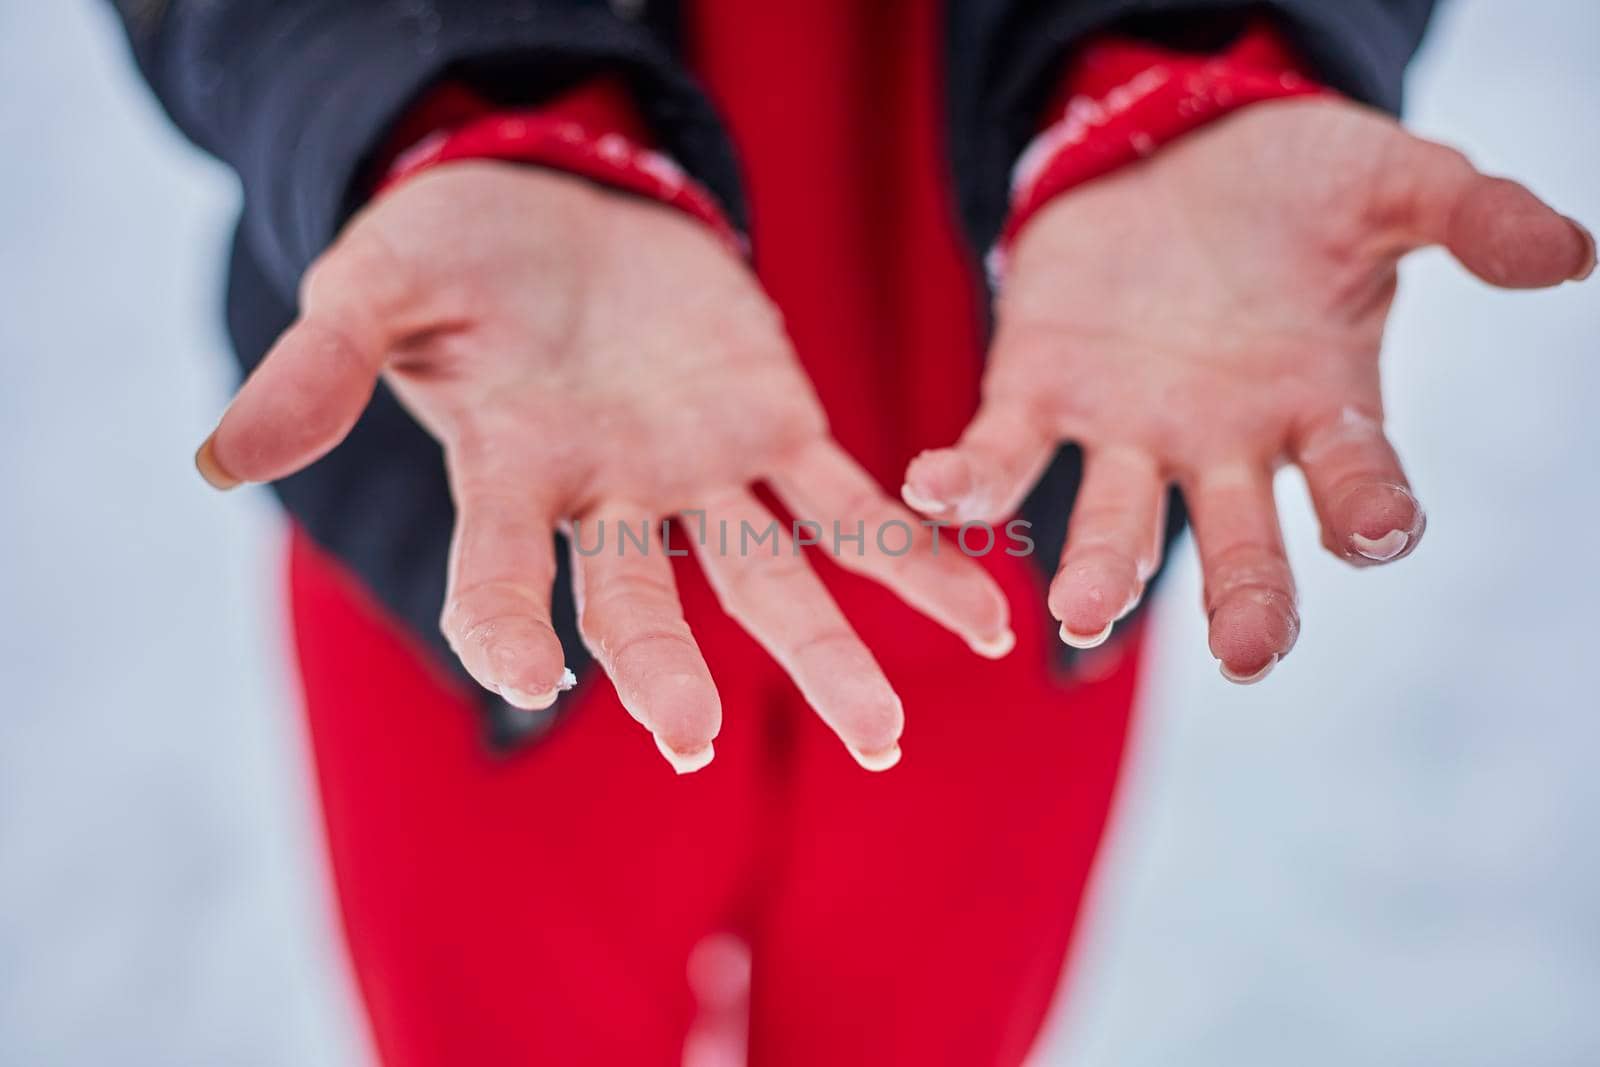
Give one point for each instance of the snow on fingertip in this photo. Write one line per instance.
(995, 648)
(1381, 549)
(1248, 679)
(877, 762)
(1086, 641)
(686, 762)
(918, 502)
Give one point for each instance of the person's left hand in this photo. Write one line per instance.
(1205, 315)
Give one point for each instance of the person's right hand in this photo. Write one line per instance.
(586, 355)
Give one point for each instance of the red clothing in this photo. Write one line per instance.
(591, 130)
(541, 908)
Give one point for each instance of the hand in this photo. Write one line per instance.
(1206, 315)
(583, 355)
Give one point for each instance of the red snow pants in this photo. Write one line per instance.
(545, 907)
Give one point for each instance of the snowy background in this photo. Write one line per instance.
(1388, 856)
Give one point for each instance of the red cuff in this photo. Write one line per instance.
(591, 131)
(1123, 98)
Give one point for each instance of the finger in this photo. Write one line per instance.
(497, 604)
(892, 546)
(313, 384)
(1363, 500)
(632, 620)
(1495, 227)
(1249, 590)
(985, 476)
(767, 587)
(1113, 544)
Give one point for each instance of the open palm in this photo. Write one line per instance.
(1206, 315)
(586, 357)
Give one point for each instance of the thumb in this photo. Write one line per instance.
(1495, 227)
(316, 380)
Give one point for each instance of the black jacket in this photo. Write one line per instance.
(296, 95)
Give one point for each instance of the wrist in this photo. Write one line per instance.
(590, 132)
(1122, 99)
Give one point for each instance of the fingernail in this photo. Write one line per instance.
(527, 701)
(997, 647)
(917, 502)
(1381, 549)
(877, 761)
(1588, 263)
(205, 461)
(1086, 640)
(1248, 679)
(686, 762)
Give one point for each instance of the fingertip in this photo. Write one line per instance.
(521, 663)
(1248, 679)
(297, 405)
(686, 762)
(521, 698)
(1089, 599)
(684, 711)
(997, 647)
(878, 761)
(1381, 549)
(1382, 523)
(916, 501)
(205, 461)
(936, 481)
(538, 700)
(1510, 238)
(1086, 640)
(1083, 610)
(871, 727)
(1586, 263)
(1251, 632)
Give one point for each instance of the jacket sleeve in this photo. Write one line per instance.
(1006, 56)
(297, 95)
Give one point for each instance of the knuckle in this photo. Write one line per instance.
(468, 611)
(1329, 434)
(672, 640)
(361, 270)
(753, 583)
(829, 637)
(1248, 566)
(619, 600)
(635, 587)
